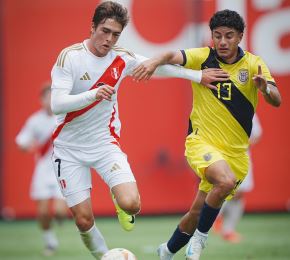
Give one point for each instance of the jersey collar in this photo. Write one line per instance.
(239, 56)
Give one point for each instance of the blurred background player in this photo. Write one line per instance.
(35, 137)
(233, 210)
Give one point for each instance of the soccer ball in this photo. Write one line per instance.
(119, 254)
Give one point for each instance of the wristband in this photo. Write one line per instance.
(267, 92)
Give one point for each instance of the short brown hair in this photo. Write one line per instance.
(110, 9)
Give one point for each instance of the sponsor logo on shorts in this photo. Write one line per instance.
(207, 157)
(115, 167)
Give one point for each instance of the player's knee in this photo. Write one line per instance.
(44, 215)
(131, 205)
(84, 223)
(227, 184)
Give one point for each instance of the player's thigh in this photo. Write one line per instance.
(240, 166)
(42, 206)
(220, 172)
(114, 168)
(73, 177)
(126, 193)
(60, 206)
(200, 156)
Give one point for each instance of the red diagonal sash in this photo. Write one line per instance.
(110, 77)
(43, 149)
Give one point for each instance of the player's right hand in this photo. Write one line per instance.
(212, 75)
(105, 92)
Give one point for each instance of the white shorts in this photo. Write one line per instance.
(44, 184)
(72, 169)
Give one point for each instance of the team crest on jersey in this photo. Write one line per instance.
(115, 73)
(243, 75)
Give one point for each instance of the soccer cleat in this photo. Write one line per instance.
(232, 237)
(164, 253)
(127, 221)
(195, 246)
(49, 251)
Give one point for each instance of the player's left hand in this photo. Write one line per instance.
(260, 81)
(145, 70)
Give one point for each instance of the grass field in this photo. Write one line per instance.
(266, 236)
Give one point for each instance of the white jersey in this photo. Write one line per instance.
(78, 70)
(76, 77)
(38, 129)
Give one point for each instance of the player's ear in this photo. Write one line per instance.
(93, 28)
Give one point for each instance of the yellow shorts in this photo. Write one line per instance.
(200, 155)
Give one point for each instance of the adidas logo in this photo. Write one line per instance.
(115, 167)
(86, 76)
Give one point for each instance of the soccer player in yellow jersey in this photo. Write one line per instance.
(221, 123)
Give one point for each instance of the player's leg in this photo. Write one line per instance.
(60, 209)
(84, 219)
(75, 183)
(45, 222)
(223, 181)
(40, 193)
(127, 202)
(234, 209)
(184, 230)
(115, 170)
(59, 203)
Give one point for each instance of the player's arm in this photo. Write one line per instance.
(157, 66)
(62, 101)
(270, 93)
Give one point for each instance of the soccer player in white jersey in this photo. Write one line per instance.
(85, 81)
(35, 136)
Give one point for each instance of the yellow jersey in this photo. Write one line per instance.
(223, 117)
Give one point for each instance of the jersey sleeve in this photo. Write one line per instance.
(194, 57)
(133, 62)
(168, 71)
(62, 73)
(62, 83)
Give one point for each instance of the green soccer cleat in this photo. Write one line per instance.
(127, 221)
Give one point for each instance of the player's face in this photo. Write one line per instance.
(104, 37)
(226, 41)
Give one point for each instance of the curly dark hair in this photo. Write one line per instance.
(110, 9)
(227, 18)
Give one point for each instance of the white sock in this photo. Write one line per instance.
(234, 211)
(50, 239)
(95, 242)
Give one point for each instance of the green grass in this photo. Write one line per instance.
(266, 236)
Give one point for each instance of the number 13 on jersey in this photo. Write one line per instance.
(224, 91)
